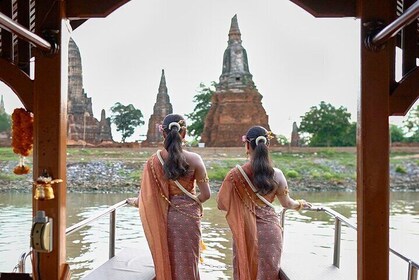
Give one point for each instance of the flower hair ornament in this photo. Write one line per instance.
(172, 124)
(180, 125)
(261, 139)
(244, 139)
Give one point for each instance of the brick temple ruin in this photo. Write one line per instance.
(161, 108)
(82, 127)
(236, 104)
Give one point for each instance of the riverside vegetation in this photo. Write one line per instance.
(118, 170)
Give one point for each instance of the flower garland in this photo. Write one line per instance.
(22, 138)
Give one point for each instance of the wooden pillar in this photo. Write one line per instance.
(377, 76)
(50, 133)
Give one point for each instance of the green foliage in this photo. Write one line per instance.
(292, 174)
(282, 140)
(396, 133)
(328, 126)
(126, 119)
(412, 125)
(400, 169)
(202, 107)
(5, 122)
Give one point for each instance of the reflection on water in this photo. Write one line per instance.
(310, 232)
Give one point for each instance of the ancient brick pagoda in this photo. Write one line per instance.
(82, 126)
(161, 108)
(236, 105)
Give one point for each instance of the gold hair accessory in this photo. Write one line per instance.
(269, 135)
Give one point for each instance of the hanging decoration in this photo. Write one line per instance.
(22, 138)
(43, 187)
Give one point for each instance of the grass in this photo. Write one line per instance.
(326, 165)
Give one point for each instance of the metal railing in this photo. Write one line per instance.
(20, 267)
(413, 267)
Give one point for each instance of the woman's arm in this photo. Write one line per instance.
(283, 194)
(201, 177)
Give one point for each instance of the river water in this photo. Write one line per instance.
(310, 232)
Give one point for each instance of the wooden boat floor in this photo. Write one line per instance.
(299, 265)
(128, 264)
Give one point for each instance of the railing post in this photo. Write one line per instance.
(413, 272)
(336, 250)
(282, 222)
(112, 227)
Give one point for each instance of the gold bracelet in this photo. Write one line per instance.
(204, 180)
(301, 203)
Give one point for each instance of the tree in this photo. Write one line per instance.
(126, 119)
(412, 125)
(396, 133)
(328, 126)
(5, 123)
(203, 104)
(282, 140)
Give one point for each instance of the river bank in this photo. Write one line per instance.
(119, 170)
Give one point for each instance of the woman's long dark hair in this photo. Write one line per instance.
(263, 171)
(175, 166)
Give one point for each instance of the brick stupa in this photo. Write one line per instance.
(161, 108)
(82, 127)
(236, 105)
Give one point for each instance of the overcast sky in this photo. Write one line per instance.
(296, 60)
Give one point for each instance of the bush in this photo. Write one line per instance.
(400, 169)
(292, 174)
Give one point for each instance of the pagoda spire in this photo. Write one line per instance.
(161, 108)
(162, 86)
(235, 73)
(2, 109)
(234, 33)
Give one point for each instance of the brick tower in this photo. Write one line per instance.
(236, 105)
(161, 108)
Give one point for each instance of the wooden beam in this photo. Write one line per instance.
(328, 8)
(18, 81)
(84, 9)
(23, 47)
(50, 134)
(373, 145)
(6, 36)
(409, 43)
(405, 94)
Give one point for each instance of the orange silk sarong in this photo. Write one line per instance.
(257, 235)
(175, 250)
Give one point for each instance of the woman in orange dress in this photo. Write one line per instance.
(246, 195)
(170, 211)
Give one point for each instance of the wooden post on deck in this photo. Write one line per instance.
(50, 133)
(377, 76)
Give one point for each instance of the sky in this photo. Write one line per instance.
(296, 60)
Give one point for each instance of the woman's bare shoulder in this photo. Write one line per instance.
(193, 158)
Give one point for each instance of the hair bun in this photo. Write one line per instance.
(174, 124)
(261, 138)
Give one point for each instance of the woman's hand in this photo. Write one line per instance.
(133, 201)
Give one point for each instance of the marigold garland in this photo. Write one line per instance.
(22, 137)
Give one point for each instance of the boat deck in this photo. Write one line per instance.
(130, 264)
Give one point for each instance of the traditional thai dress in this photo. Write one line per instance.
(171, 222)
(257, 234)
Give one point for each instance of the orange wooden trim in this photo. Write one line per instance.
(66, 272)
(328, 8)
(18, 81)
(405, 94)
(79, 9)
